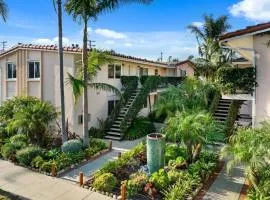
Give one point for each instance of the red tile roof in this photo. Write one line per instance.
(75, 50)
(184, 62)
(247, 30)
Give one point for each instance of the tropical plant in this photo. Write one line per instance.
(136, 183)
(160, 179)
(86, 10)
(191, 94)
(32, 119)
(212, 55)
(195, 130)
(249, 147)
(3, 10)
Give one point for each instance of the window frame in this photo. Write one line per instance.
(114, 72)
(13, 64)
(183, 73)
(28, 70)
(115, 101)
(111, 66)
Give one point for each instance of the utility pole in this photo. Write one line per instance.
(4, 44)
(61, 65)
(91, 44)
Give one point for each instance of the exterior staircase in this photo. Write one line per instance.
(115, 132)
(222, 110)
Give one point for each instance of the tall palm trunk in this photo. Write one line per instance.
(62, 92)
(85, 91)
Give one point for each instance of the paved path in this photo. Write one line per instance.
(35, 186)
(227, 187)
(91, 167)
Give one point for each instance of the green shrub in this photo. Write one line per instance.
(26, 155)
(105, 182)
(178, 163)
(19, 138)
(72, 146)
(47, 166)
(173, 151)
(8, 151)
(95, 146)
(160, 179)
(136, 184)
(37, 162)
(140, 127)
(175, 175)
(183, 187)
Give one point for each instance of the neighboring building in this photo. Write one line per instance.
(185, 68)
(33, 70)
(253, 44)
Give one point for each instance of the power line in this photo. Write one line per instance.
(91, 44)
(4, 45)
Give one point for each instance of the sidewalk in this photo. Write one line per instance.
(89, 168)
(35, 186)
(227, 186)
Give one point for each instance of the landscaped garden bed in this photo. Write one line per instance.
(176, 179)
(27, 140)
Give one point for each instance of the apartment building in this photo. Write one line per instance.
(33, 70)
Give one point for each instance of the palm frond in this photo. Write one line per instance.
(104, 87)
(77, 86)
(3, 10)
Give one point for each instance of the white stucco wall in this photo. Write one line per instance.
(263, 77)
(189, 70)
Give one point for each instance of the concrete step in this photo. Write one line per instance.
(222, 111)
(114, 133)
(220, 118)
(116, 126)
(112, 137)
(115, 129)
(221, 114)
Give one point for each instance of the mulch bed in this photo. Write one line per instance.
(210, 181)
(244, 191)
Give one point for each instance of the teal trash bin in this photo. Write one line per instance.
(155, 152)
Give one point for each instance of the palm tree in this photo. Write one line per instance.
(95, 60)
(196, 128)
(61, 65)
(85, 10)
(3, 10)
(212, 55)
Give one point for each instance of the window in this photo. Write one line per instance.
(156, 72)
(33, 70)
(114, 71)
(183, 73)
(110, 71)
(11, 71)
(145, 71)
(117, 71)
(80, 119)
(111, 105)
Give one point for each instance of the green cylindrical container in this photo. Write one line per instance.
(155, 152)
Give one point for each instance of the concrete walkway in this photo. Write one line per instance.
(91, 167)
(227, 186)
(35, 186)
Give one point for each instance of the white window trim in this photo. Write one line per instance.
(33, 79)
(114, 71)
(10, 79)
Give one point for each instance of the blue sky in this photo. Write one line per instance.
(137, 30)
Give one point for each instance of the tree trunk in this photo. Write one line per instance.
(61, 65)
(85, 91)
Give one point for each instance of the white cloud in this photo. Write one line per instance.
(66, 41)
(255, 10)
(109, 42)
(198, 24)
(110, 34)
(128, 44)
